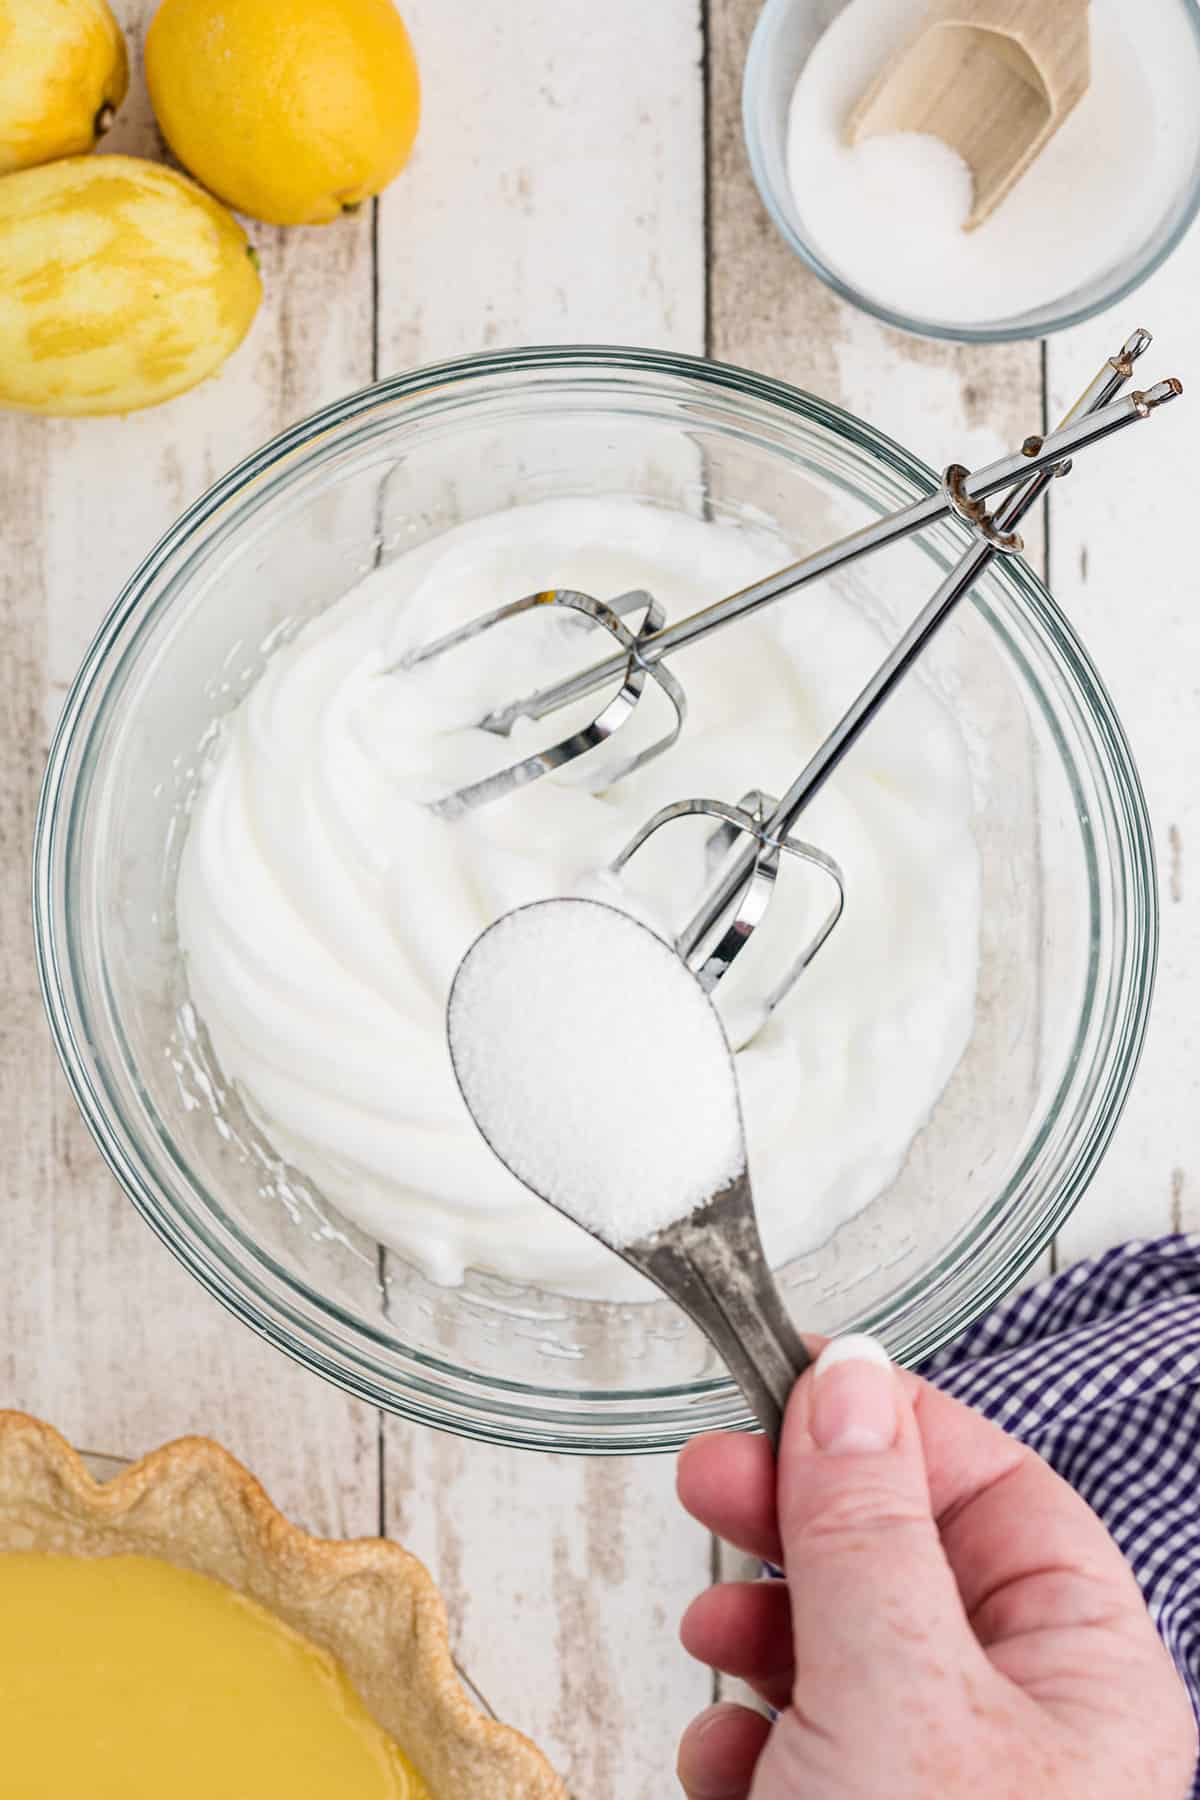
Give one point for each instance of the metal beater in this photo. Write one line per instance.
(751, 837)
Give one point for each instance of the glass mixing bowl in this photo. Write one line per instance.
(1069, 903)
(784, 38)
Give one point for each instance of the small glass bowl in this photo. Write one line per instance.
(1069, 905)
(784, 38)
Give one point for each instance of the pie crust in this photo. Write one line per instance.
(368, 1602)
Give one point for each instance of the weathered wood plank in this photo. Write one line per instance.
(767, 310)
(100, 1330)
(556, 191)
(556, 195)
(946, 402)
(1125, 573)
(565, 1579)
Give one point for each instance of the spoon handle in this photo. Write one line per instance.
(712, 1265)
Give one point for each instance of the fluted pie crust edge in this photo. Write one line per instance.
(368, 1602)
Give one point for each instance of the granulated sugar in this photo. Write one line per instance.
(595, 1066)
(887, 215)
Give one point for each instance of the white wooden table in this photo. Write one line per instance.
(580, 176)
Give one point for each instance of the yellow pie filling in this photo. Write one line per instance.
(125, 1678)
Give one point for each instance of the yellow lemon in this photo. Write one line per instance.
(63, 74)
(121, 283)
(291, 110)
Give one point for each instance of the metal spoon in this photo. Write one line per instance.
(712, 1265)
(711, 1262)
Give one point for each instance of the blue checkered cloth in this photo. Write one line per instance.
(1098, 1370)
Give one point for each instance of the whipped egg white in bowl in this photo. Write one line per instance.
(248, 917)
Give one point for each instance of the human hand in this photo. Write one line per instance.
(956, 1623)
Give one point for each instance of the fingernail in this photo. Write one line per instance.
(854, 1398)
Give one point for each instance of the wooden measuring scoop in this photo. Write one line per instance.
(994, 79)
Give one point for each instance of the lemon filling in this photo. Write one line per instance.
(124, 1678)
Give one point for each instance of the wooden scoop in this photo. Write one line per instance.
(994, 79)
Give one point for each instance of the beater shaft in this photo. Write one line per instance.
(1079, 430)
(863, 709)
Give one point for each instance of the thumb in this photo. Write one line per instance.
(871, 1589)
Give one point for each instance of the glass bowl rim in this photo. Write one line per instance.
(481, 1407)
(1010, 331)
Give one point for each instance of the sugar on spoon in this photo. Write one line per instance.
(598, 1071)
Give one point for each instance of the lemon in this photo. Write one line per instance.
(291, 110)
(121, 283)
(63, 74)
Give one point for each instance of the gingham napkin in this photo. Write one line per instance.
(1098, 1369)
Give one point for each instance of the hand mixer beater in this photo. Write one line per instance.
(750, 838)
